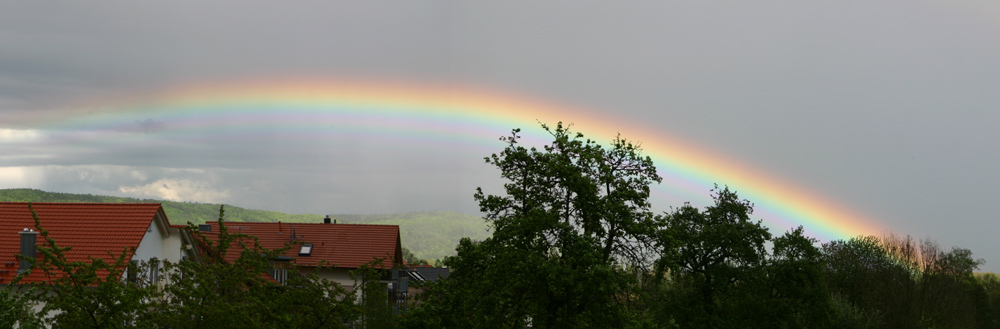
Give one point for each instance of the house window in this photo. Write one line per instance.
(306, 249)
(130, 272)
(280, 275)
(154, 272)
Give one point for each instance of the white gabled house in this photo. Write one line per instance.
(91, 230)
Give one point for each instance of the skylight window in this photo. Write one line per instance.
(306, 249)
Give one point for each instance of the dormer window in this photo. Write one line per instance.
(306, 249)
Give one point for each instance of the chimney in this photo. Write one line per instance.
(28, 238)
(205, 227)
(326, 220)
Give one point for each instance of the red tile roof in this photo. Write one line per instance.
(339, 245)
(91, 229)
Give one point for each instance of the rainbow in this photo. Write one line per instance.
(310, 110)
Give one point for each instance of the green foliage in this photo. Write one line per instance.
(909, 285)
(572, 216)
(308, 301)
(991, 298)
(378, 310)
(15, 309)
(949, 294)
(218, 293)
(412, 259)
(862, 270)
(796, 291)
(720, 255)
(844, 314)
(723, 277)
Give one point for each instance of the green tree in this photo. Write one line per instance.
(846, 315)
(721, 250)
(308, 301)
(15, 309)
(591, 191)
(991, 287)
(863, 271)
(796, 291)
(574, 217)
(412, 259)
(378, 310)
(949, 296)
(219, 293)
(909, 285)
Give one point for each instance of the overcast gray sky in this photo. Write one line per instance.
(887, 108)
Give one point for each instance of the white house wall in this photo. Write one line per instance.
(338, 275)
(158, 244)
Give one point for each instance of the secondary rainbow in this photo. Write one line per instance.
(444, 114)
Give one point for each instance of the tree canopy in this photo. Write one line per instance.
(573, 218)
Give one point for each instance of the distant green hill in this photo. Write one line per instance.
(429, 235)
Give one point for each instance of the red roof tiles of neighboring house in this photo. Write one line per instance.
(91, 229)
(335, 245)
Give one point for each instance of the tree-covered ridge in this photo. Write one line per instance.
(429, 235)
